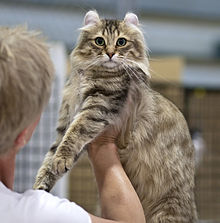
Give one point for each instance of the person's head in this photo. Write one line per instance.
(26, 74)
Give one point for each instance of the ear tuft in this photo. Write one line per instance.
(131, 18)
(91, 18)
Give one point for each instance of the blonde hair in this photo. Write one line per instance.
(26, 74)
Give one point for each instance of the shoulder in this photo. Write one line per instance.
(61, 210)
(40, 206)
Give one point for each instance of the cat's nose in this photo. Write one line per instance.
(110, 55)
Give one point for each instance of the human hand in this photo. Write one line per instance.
(104, 141)
(109, 135)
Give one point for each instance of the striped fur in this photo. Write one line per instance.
(155, 147)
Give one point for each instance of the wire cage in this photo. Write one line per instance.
(82, 186)
(31, 156)
(203, 115)
(201, 109)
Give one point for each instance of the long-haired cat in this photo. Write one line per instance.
(109, 85)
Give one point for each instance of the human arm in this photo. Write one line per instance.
(119, 201)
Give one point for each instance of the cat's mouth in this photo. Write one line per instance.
(110, 64)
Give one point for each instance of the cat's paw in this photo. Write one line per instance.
(61, 165)
(44, 181)
(41, 186)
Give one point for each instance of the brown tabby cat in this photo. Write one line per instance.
(109, 85)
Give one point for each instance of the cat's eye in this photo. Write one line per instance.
(121, 42)
(100, 41)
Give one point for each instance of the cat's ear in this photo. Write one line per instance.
(131, 18)
(91, 18)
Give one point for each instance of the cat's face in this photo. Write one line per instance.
(111, 44)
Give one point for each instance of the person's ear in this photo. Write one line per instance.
(24, 136)
(20, 141)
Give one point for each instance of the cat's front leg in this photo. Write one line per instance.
(85, 127)
(45, 179)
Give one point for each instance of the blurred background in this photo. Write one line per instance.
(184, 42)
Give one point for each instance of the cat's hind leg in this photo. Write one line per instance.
(174, 210)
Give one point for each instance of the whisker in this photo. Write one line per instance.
(130, 69)
(92, 63)
(131, 72)
(125, 68)
(163, 78)
(156, 73)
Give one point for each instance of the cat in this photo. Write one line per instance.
(109, 86)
